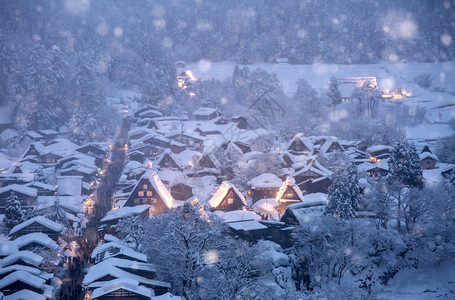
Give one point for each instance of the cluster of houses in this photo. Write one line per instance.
(54, 168)
(120, 272)
(173, 160)
(24, 272)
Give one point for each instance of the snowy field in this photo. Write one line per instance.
(438, 99)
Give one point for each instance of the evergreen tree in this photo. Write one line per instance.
(339, 196)
(92, 118)
(332, 93)
(13, 212)
(30, 213)
(308, 98)
(57, 214)
(354, 188)
(404, 165)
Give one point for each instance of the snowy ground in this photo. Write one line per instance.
(438, 99)
(425, 283)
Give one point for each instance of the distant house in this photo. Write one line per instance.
(93, 149)
(304, 213)
(15, 283)
(22, 258)
(38, 224)
(192, 141)
(49, 134)
(208, 161)
(205, 113)
(329, 145)
(113, 216)
(264, 186)
(379, 151)
(289, 193)
(299, 145)
(181, 191)
(32, 240)
(375, 169)
(125, 287)
(34, 136)
(167, 160)
(240, 121)
(313, 178)
(427, 159)
(227, 198)
(186, 79)
(150, 190)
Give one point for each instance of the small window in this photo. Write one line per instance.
(230, 200)
(149, 193)
(137, 201)
(140, 193)
(144, 187)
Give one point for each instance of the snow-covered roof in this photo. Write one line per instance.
(28, 269)
(204, 111)
(300, 136)
(289, 182)
(237, 215)
(25, 295)
(24, 277)
(125, 212)
(159, 187)
(377, 148)
(34, 134)
(264, 181)
(18, 188)
(315, 167)
(122, 249)
(41, 185)
(425, 155)
(122, 283)
(95, 273)
(36, 237)
(41, 220)
(61, 147)
(222, 191)
(150, 113)
(306, 214)
(128, 264)
(71, 203)
(267, 207)
(27, 256)
(246, 225)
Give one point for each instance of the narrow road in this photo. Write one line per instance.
(76, 266)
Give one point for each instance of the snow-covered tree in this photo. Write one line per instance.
(404, 165)
(307, 99)
(13, 211)
(340, 198)
(57, 214)
(177, 241)
(332, 93)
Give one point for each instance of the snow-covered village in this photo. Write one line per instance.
(175, 150)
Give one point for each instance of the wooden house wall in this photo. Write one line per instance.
(144, 193)
(428, 163)
(230, 202)
(18, 286)
(258, 194)
(37, 227)
(181, 191)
